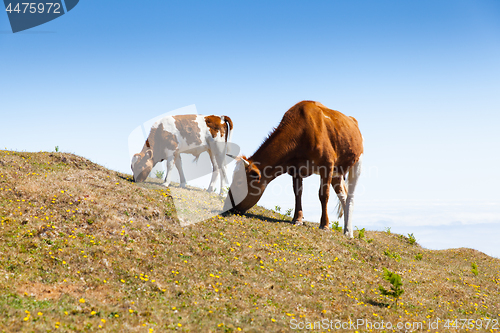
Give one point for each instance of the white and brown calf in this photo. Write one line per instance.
(187, 134)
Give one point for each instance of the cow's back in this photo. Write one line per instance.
(326, 132)
(188, 129)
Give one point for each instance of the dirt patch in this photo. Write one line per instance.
(42, 291)
(48, 292)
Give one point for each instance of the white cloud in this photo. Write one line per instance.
(435, 224)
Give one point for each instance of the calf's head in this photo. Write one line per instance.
(247, 186)
(142, 164)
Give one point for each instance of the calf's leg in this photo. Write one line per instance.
(223, 178)
(220, 150)
(178, 165)
(170, 166)
(215, 172)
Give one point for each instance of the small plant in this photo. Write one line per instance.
(277, 209)
(396, 284)
(474, 269)
(57, 149)
(361, 233)
(224, 194)
(392, 255)
(388, 230)
(419, 256)
(159, 174)
(411, 239)
(336, 227)
(288, 213)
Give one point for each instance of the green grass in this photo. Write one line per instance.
(411, 239)
(392, 255)
(396, 285)
(83, 249)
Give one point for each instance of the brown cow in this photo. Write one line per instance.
(311, 139)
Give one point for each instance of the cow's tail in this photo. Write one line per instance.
(340, 207)
(229, 132)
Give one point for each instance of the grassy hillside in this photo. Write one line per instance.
(85, 249)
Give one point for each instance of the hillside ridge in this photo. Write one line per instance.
(84, 248)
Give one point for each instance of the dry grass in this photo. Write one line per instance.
(83, 248)
(192, 204)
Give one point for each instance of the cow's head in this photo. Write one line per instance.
(247, 186)
(142, 164)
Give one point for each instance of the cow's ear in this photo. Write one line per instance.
(149, 153)
(244, 160)
(135, 158)
(254, 174)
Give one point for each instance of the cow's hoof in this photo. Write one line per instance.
(297, 222)
(183, 185)
(234, 211)
(165, 184)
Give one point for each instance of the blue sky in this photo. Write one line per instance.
(422, 78)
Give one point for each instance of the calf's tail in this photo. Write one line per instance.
(229, 131)
(340, 205)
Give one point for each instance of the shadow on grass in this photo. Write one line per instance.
(259, 217)
(265, 218)
(150, 184)
(129, 179)
(376, 303)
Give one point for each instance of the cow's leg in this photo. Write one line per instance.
(297, 189)
(324, 192)
(339, 187)
(170, 167)
(178, 165)
(215, 172)
(354, 174)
